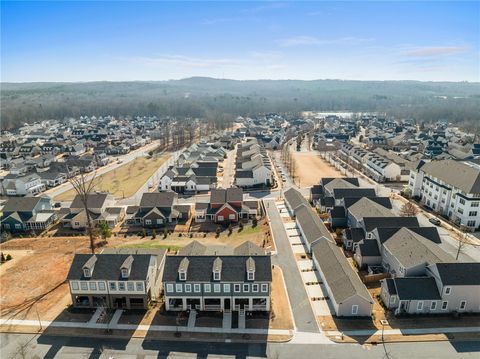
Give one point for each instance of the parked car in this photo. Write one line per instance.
(435, 221)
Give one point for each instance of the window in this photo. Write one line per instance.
(83, 286)
(226, 288)
(178, 288)
(433, 305)
(251, 275)
(139, 286)
(354, 309)
(216, 275)
(444, 305)
(124, 273)
(148, 221)
(461, 200)
(216, 288)
(121, 286)
(86, 273)
(188, 288)
(183, 276)
(236, 288)
(255, 287)
(220, 218)
(130, 286)
(463, 304)
(169, 287)
(420, 305)
(264, 288)
(460, 210)
(471, 223)
(231, 216)
(448, 290)
(393, 299)
(246, 287)
(92, 285)
(207, 288)
(196, 288)
(101, 286)
(6, 226)
(74, 286)
(113, 286)
(474, 204)
(472, 213)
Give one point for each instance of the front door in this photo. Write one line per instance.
(226, 304)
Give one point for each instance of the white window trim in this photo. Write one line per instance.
(197, 288)
(226, 287)
(251, 275)
(178, 288)
(246, 285)
(169, 288)
(75, 286)
(207, 288)
(217, 288)
(444, 302)
(465, 305)
(255, 288)
(92, 286)
(183, 276)
(264, 288)
(448, 290)
(354, 309)
(216, 275)
(433, 305)
(237, 288)
(420, 305)
(188, 288)
(101, 286)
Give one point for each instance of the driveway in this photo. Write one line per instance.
(302, 311)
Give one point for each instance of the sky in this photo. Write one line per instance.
(124, 41)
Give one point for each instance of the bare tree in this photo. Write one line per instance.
(84, 187)
(408, 210)
(462, 242)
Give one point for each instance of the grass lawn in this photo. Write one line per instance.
(124, 180)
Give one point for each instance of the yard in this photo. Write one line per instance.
(310, 168)
(125, 180)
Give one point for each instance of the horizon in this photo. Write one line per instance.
(244, 41)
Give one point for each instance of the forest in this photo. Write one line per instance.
(457, 102)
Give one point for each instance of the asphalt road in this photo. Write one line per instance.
(82, 347)
(302, 311)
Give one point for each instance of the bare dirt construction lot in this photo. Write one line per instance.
(310, 168)
(125, 180)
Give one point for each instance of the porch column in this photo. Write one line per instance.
(250, 304)
(184, 303)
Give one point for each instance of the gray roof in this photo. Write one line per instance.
(195, 248)
(459, 273)
(416, 288)
(340, 183)
(430, 233)
(233, 268)
(22, 204)
(108, 266)
(342, 280)
(411, 249)
(461, 174)
(294, 198)
(158, 199)
(221, 195)
(311, 224)
(339, 193)
(94, 200)
(369, 248)
(371, 223)
(368, 208)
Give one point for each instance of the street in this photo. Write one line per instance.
(44, 346)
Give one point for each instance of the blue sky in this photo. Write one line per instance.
(114, 41)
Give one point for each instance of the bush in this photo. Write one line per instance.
(240, 227)
(218, 230)
(154, 234)
(230, 229)
(254, 222)
(8, 257)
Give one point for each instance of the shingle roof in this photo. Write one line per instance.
(411, 249)
(340, 193)
(461, 174)
(342, 280)
(416, 288)
(22, 203)
(233, 268)
(459, 273)
(311, 224)
(221, 195)
(369, 248)
(368, 208)
(371, 223)
(294, 198)
(158, 199)
(430, 233)
(94, 200)
(108, 266)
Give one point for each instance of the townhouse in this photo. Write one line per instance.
(201, 280)
(253, 167)
(450, 188)
(125, 278)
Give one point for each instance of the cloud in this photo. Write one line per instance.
(312, 41)
(184, 61)
(436, 51)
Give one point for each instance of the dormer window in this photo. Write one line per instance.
(89, 266)
(183, 268)
(217, 269)
(86, 273)
(251, 275)
(250, 267)
(126, 267)
(124, 273)
(216, 275)
(183, 276)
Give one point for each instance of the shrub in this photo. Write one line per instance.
(8, 257)
(254, 222)
(154, 234)
(240, 227)
(218, 230)
(230, 229)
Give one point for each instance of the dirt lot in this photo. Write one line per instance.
(310, 168)
(125, 180)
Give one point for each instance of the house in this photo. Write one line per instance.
(253, 167)
(367, 207)
(158, 209)
(27, 214)
(217, 282)
(451, 188)
(28, 184)
(446, 288)
(225, 206)
(101, 208)
(310, 226)
(123, 278)
(349, 296)
(293, 199)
